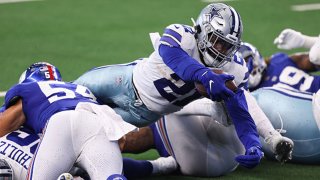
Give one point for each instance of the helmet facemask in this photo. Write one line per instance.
(255, 63)
(256, 73)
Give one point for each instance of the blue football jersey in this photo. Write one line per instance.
(284, 72)
(43, 99)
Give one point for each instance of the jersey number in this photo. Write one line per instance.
(178, 93)
(56, 90)
(293, 76)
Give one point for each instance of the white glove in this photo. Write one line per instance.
(314, 53)
(289, 39)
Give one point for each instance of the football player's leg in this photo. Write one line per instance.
(100, 157)
(303, 130)
(55, 154)
(113, 85)
(202, 154)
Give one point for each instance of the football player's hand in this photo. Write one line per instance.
(215, 85)
(289, 39)
(314, 53)
(252, 157)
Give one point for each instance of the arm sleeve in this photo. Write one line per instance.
(242, 120)
(187, 68)
(262, 122)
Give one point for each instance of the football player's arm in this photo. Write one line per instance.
(246, 130)
(12, 118)
(303, 62)
(137, 141)
(291, 39)
(242, 120)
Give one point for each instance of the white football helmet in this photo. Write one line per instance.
(255, 63)
(218, 34)
(6, 171)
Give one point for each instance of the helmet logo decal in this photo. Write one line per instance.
(216, 12)
(50, 72)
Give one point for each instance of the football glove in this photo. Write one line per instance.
(215, 85)
(314, 53)
(289, 39)
(252, 157)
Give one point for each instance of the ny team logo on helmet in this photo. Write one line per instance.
(255, 63)
(41, 71)
(218, 33)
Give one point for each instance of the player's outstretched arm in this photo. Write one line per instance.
(12, 118)
(246, 130)
(291, 39)
(281, 146)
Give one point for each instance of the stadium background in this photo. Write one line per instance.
(76, 35)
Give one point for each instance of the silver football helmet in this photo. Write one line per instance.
(255, 63)
(218, 33)
(6, 171)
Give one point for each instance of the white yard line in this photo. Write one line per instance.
(3, 93)
(216, 1)
(14, 1)
(306, 7)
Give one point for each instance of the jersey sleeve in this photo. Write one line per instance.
(180, 36)
(242, 120)
(177, 45)
(11, 95)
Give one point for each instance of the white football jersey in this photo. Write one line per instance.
(160, 89)
(17, 149)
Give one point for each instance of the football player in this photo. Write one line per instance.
(200, 140)
(142, 91)
(288, 71)
(297, 116)
(74, 127)
(163, 83)
(17, 149)
(284, 81)
(290, 39)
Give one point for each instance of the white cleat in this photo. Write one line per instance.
(164, 165)
(281, 146)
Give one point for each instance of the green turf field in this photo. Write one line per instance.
(76, 35)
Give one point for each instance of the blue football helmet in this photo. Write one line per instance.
(41, 71)
(218, 34)
(255, 63)
(6, 171)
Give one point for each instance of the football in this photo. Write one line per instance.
(229, 84)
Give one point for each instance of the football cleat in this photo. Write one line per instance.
(281, 147)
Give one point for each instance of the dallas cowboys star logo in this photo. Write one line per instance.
(216, 13)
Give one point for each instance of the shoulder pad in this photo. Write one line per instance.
(173, 34)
